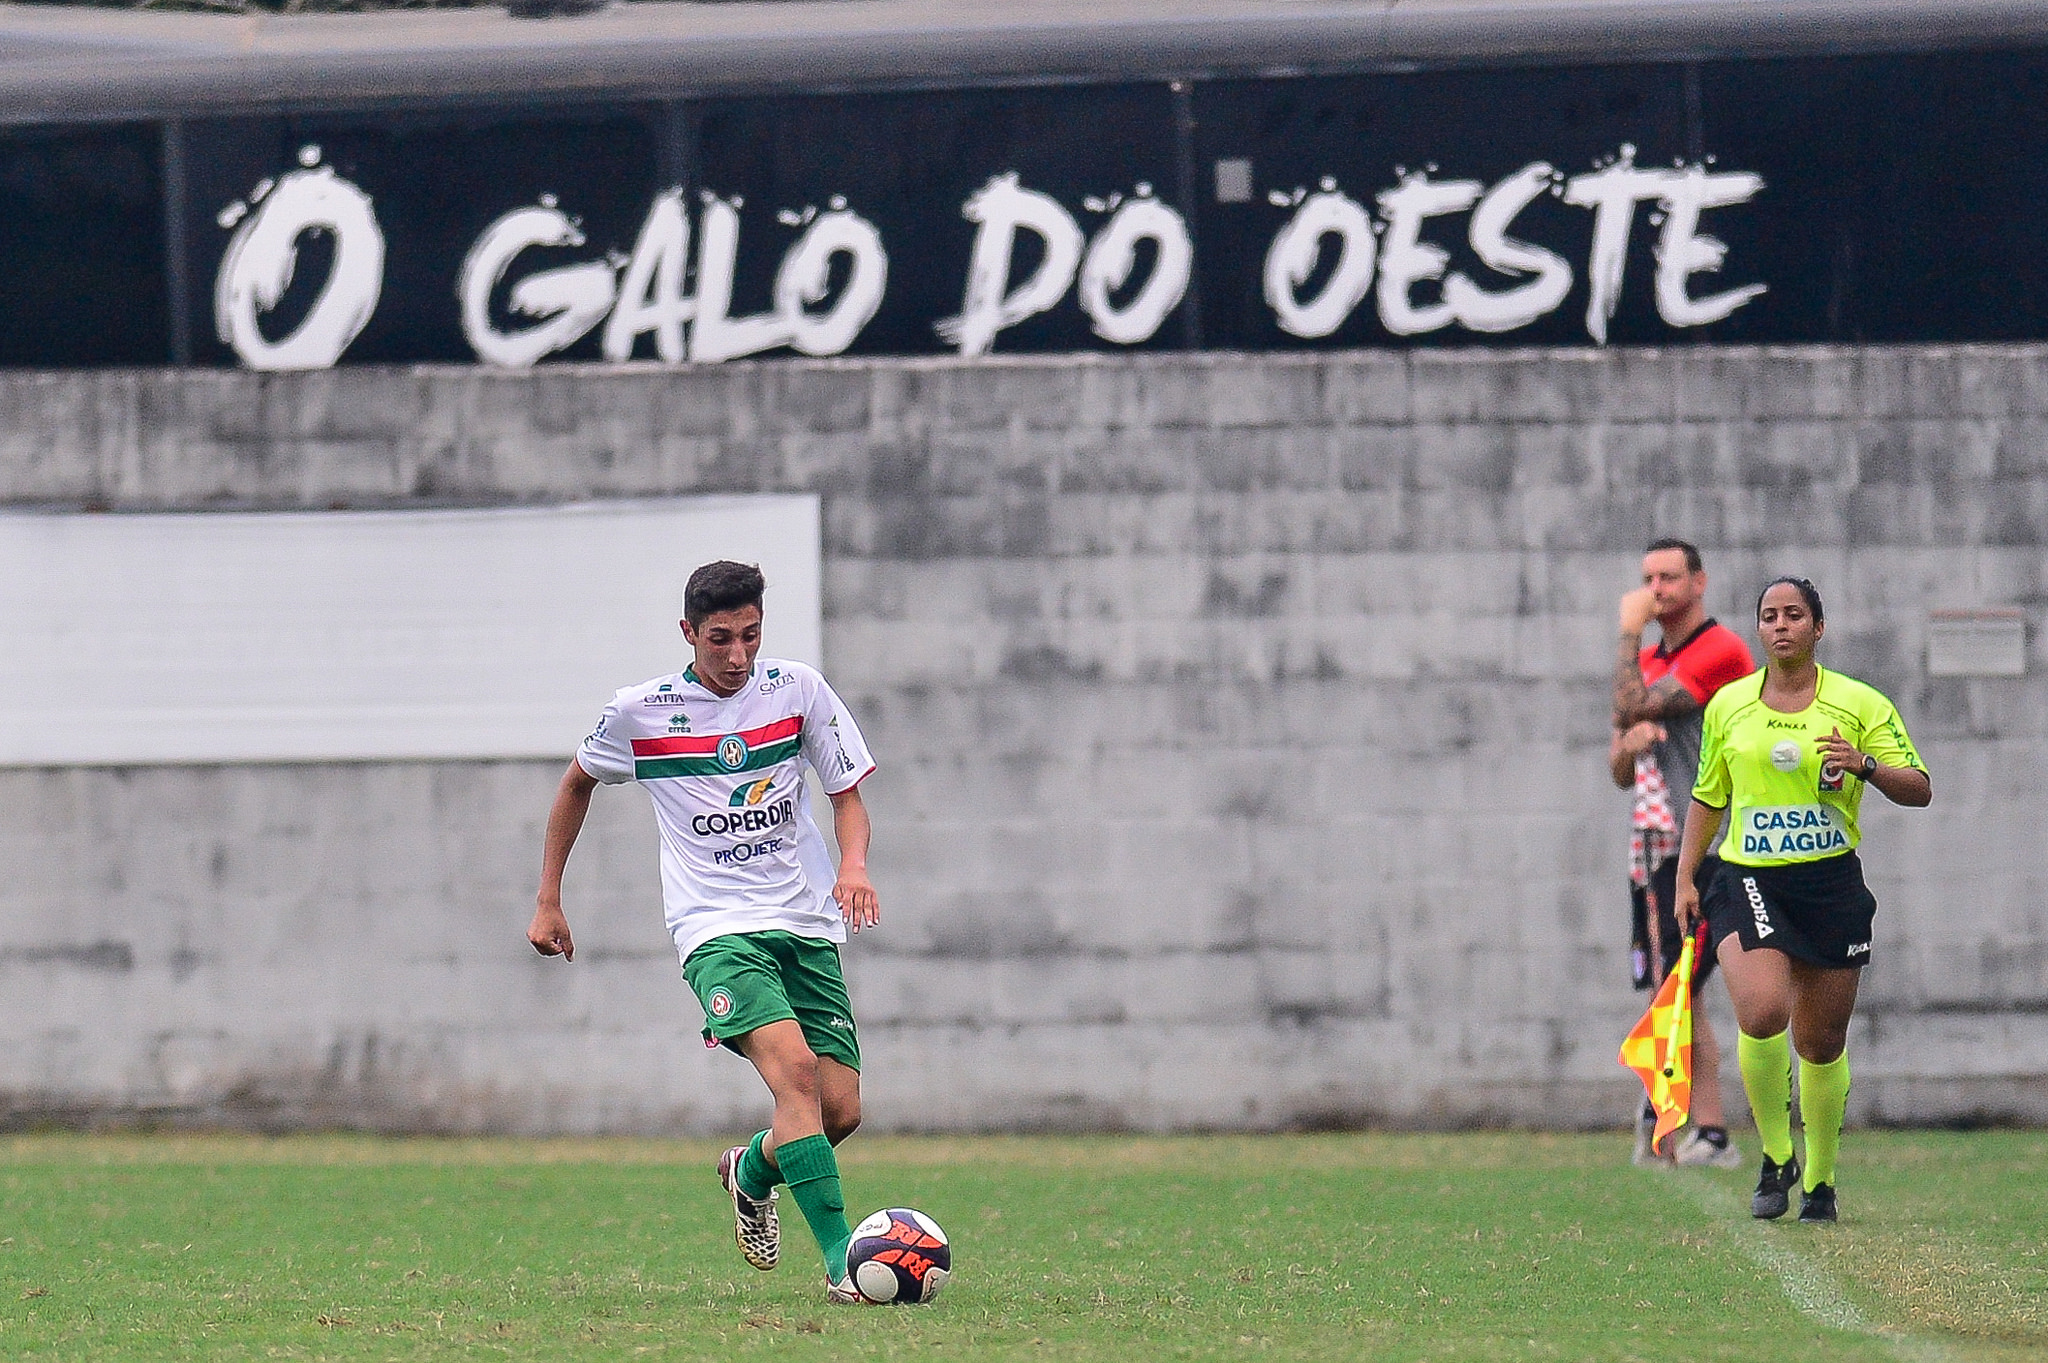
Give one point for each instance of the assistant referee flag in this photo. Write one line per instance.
(1659, 1048)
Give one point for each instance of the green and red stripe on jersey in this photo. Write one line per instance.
(717, 754)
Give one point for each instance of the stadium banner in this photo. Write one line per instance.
(380, 635)
(1859, 199)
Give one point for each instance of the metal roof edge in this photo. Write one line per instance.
(236, 66)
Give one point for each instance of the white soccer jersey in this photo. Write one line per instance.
(739, 850)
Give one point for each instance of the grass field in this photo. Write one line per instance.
(1485, 1247)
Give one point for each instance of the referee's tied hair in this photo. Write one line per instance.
(1693, 563)
(722, 586)
(1806, 589)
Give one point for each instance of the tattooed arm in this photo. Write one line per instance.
(1634, 702)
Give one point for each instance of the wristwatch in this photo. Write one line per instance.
(1869, 766)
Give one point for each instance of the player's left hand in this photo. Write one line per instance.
(1637, 738)
(858, 903)
(1838, 754)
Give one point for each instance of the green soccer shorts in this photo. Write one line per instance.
(746, 980)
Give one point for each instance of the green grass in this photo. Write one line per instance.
(1486, 1247)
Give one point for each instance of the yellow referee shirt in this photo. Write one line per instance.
(1766, 764)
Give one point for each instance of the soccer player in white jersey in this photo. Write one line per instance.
(752, 900)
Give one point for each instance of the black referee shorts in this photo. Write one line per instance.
(1814, 911)
(1664, 882)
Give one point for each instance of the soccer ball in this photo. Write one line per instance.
(898, 1257)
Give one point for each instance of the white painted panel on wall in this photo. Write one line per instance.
(325, 636)
(1977, 643)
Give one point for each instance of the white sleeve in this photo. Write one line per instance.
(832, 742)
(607, 753)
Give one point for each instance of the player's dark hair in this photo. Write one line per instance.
(722, 586)
(1806, 589)
(1690, 550)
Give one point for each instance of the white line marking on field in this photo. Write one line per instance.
(1805, 1284)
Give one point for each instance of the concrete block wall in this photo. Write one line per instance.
(1242, 724)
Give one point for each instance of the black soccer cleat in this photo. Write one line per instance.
(1817, 1204)
(1774, 1189)
(755, 1224)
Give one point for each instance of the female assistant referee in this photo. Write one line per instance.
(1788, 751)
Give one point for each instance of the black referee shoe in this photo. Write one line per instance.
(1774, 1189)
(1818, 1203)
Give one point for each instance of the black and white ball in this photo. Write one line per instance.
(898, 1257)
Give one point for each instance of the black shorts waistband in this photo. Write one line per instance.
(1835, 875)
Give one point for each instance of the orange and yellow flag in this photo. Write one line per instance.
(1659, 1048)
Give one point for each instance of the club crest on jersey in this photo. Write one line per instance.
(732, 752)
(752, 793)
(720, 1002)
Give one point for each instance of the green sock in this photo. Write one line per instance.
(756, 1176)
(1823, 1094)
(812, 1173)
(1767, 1079)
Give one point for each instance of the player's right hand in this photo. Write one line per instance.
(549, 933)
(1686, 909)
(1638, 609)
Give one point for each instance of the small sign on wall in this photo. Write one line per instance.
(1977, 643)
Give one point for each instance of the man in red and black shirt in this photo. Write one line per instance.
(1660, 692)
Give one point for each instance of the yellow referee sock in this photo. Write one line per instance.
(1767, 1079)
(1823, 1096)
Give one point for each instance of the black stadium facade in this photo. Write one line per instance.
(697, 182)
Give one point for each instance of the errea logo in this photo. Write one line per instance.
(679, 723)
